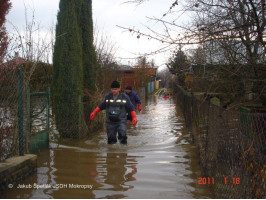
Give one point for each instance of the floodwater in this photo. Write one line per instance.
(158, 162)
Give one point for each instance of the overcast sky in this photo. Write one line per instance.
(106, 14)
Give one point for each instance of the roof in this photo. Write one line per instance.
(124, 67)
(12, 64)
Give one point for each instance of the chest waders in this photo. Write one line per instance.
(116, 118)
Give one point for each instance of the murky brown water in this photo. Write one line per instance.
(158, 162)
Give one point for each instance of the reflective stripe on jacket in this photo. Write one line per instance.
(116, 110)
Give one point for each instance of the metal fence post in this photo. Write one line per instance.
(28, 132)
(20, 112)
(79, 122)
(48, 110)
(48, 114)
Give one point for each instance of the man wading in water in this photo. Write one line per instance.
(117, 106)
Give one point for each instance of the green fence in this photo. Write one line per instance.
(39, 120)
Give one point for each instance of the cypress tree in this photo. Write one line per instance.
(89, 58)
(68, 72)
(4, 9)
(90, 64)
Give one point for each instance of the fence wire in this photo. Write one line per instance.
(23, 107)
(38, 113)
(10, 142)
(231, 147)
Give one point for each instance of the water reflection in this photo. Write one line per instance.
(158, 162)
(116, 171)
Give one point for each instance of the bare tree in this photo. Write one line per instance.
(214, 20)
(32, 43)
(105, 50)
(236, 21)
(230, 34)
(165, 76)
(105, 47)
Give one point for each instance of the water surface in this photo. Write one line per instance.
(158, 162)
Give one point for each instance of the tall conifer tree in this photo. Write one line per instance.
(75, 66)
(90, 64)
(5, 6)
(68, 72)
(89, 58)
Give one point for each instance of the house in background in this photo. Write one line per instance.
(135, 76)
(14, 63)
(8, 75)
(10, 66)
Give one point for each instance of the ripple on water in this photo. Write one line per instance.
(158, 162)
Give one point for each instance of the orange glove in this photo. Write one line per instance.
(134, 118)
(94, 113)
(139, 107)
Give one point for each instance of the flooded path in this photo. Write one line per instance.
(158, 162)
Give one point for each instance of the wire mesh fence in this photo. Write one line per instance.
(231, 147)
(12, 101)
(27, 121)
(24, 106)
(38, 113)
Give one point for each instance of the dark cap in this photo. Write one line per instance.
(128, 87)
(115, 84)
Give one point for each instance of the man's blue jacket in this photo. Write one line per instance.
(134, 98)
